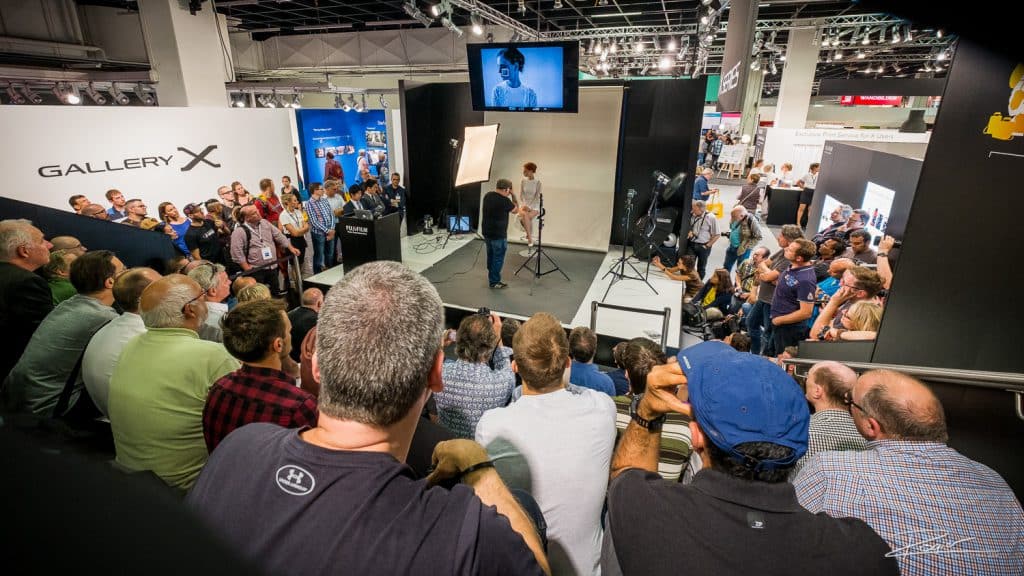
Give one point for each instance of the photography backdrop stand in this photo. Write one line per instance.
(618, 268)
(533, 262)
(453, 228)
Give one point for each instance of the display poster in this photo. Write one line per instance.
(353, 140)
(878, 204)
(827, 208)
(733, 154)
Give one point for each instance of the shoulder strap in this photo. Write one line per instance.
(69, 384)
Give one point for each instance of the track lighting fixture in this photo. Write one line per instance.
(384, 102)
(14, 96)
(118, 96)
(94, 95)
(144, 96)
(66, 93)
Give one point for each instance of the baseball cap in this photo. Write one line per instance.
(738, 397)
(191, 207)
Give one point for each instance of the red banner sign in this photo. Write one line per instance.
(871, 100)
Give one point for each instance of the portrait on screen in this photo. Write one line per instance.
(518, 77)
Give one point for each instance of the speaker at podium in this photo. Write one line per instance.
(368, 240)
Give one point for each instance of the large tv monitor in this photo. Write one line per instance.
(524, 77)
(878, 204)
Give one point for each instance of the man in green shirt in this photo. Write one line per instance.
(159, 388)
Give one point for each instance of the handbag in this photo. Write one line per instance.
(715, 205)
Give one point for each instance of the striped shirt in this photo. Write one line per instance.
(830, 429)
(941, 512)
(472, 388)
(321, 217)
(675, 449)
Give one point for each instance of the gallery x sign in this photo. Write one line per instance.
(197, 158)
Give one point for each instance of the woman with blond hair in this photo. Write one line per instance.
(861, 321)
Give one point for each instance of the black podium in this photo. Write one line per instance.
(365, 240)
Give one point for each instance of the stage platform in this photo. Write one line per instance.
(459, 271)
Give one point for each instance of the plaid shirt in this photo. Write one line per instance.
(252, 394)
(321, 216)
(941, 512)
(830, 429)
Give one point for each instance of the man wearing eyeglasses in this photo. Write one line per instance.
(252, 247)
(160, 384)
(136, 213)
(831, 427)
(941, 512)
(857, 284)
(213, 278)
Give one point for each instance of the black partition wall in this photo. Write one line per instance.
(847, 167)
(432, 115)
(660, 126)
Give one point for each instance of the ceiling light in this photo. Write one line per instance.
(866, 39)
(603, 56)
(671, 46)
(704, 19)
(384, 102)
(239, 102)
(144, 97)
(14, 96)
(361, 106)
(522, 6)
(351, 104)
(643, 71)
(415, 13)
(118, 96)
(447, 23)
(435, 10)
(616, 14)
(664, 63)
(296, 101)
(896, 35)
(838, 54)
(338, 101)
(321, 27)
(938, 33)
(639, 47)
(94, 95)
(881, 35)
(67, 93)
(613, 48)
(775, 69)
(908, 35)
(861, 54)
(942, 55)
(755, 64)
(558, 5)
(477, 24)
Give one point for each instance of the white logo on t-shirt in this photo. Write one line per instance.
(295, 480)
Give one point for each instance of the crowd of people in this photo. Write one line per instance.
(355, 431)
(258, 233)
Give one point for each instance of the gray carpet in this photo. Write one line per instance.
(461, 280)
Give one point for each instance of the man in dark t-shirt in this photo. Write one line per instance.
(494, 226)
(793, 301)
(201, 237)
(338, 497)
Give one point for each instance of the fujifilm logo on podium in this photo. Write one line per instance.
(190, 160)
(357, 230)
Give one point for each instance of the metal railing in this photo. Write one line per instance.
(1009, 381)
(665, 314)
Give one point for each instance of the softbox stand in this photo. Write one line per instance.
(533, 261)
(618, 268)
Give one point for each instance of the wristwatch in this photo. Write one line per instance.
(882, 254)
(653, 425)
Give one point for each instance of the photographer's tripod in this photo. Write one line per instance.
(456, 224)
(618, 269)
(533, 261)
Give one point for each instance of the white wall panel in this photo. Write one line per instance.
(52, 152)
(575, 156)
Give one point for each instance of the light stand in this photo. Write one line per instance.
(535, 268)
(618, 269)
(454, 143)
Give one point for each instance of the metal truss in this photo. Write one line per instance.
(497, 17)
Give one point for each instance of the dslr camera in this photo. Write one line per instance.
(484, 311)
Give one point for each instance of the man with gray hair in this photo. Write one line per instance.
(702, 235)
(744, 234)
(832, 427)
(342, 488)
(25, 297)
(939, 511)
(47, 380)
(702, 185)
(160, 384)
(840, 214)
(104, 350)
(213, 279)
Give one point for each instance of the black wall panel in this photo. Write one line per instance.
(432, 115)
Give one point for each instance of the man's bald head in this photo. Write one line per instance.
(163, 303)
(241, 283)
(128, 287)
(312, 298)
(834, 378)
(68, 244)
(904, 407)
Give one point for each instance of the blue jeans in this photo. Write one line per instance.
(323, 251)
(731, 257)
(495, 259)
(757, 320)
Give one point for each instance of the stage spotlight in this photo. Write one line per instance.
(350, 104)
(664, 64)
(66, 93)
(477, 24)
(558, 5)
(144, 96)
(296, 101)
(435, 10)
(447, 23)
(238, 102)
(118, 96)
(774, 68)
(361, 107)
(14, 96)
(671, 46)
(95, 96)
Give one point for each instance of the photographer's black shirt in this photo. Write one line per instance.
(495, 216)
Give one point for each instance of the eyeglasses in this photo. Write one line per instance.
(848, 400)
(200, 295)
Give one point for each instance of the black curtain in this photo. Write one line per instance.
(660, 126)
(433, 115)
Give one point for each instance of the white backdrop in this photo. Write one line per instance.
(50, 153)
(575, 156)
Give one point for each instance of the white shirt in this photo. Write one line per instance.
(530, 192)
(103, 352)
(558, 447)
(294, 218)
(210, 330)
(521, 96)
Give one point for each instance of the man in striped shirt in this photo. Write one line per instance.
(940, 512)
(832, 426)
(321, 223)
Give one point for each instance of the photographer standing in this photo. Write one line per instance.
(498, 204)
(702, 235)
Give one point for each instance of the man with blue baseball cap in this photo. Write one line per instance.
(749, 423)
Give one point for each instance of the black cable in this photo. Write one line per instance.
(475, 260)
